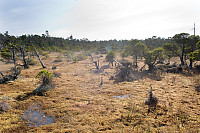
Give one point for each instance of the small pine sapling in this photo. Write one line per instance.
(45, 76)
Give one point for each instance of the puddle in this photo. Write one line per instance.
(123, 96)
(36, 117)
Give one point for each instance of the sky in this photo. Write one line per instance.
(100, 19)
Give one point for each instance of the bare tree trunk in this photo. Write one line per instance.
(1, 73)
(151, 66)
(39, 58)
(95, 62)
(14, 60)
(141, 69)
(136, 61)
(182, 55)
(24, 59)
(98, 63)
(191, 62)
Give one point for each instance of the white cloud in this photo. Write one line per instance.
(106, 19)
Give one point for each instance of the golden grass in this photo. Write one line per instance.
(178, 109)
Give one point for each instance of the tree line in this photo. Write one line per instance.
(183, 45)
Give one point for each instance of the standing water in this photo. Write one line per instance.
(36, 117)
(123, 96)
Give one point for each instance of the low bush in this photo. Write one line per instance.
(45, 55)
(58, 59)
(79, 57)
(45, 76)
(6, 54)
(31, 62)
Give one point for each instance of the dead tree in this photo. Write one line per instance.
(39, 58)
(95, 62)
(14, 60)
(24, 59)
(151, 101)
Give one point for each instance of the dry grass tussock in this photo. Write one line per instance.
(80, 104)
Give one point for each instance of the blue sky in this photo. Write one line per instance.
(100, 19)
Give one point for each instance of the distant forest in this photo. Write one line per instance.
(57, 44)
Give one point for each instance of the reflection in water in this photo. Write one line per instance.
(36, 117)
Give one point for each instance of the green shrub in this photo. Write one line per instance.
(124, 54)
(195, 56)
(45, 55)
(46, 77)
(6, 54)
(79, 57)
(110, 55)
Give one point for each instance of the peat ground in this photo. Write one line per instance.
(79, 103)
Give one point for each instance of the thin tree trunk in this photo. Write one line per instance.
(141, 69)
(24, 59)
(112, 63)
(151, 66)
(39, 58)
(96, 64)
(136, 61)
(182, 55)
(14, 60)
(1, 73)
(185, 59)
(191, 62)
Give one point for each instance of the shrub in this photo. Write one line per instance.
(45, 55)
(58, 59)
(6, 54)
(31, 61)
(79, 57)
(88, 53)
(110, 55)
(124, 54)
(124, 74)
(45, 76)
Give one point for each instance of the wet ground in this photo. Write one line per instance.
(35, 117)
